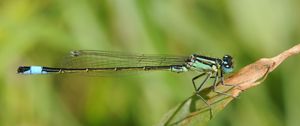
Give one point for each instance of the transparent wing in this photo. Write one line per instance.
(108, 59)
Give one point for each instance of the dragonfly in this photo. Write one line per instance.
(98, 62)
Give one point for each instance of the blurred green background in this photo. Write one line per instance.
(35, 32)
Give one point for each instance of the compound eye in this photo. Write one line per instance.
(228, 57)
(227, 61)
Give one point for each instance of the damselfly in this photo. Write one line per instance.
(106, 62)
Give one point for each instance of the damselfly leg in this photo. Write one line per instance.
(215, 83)
(199, 89)
(195, 78)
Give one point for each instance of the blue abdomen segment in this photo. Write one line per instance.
(31, 70)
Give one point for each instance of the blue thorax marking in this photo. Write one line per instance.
(201, 63)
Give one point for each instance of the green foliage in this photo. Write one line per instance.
(41, 32)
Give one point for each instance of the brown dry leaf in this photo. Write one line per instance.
(193, 111)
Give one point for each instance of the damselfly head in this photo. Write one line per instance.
(227, 64)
